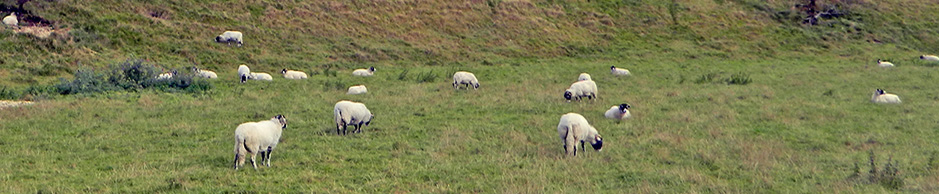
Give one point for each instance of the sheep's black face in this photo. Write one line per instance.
(475, 85)
(371, 68)
(282, 119)
(598, 145)
(283, 71)
(920, 57)
(880, 92)
(623, 107)
(218, 39)
(612, 67)
(568, 95)
(244, 78)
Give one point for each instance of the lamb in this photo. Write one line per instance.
(291, 74)
(465, 78)
(229, 37)
(359, 89)
(364, 72)
(619, 71)
(258, 138)
(204, 73)
(256, 76)
(620, 112)
(882, 63)
(882, 97)
(243, 70)
(581, 89)
(583, 76)
(574, 129)
(11, 20)
(933, 58)
(351, 113)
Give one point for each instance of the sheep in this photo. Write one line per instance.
(204, 73)
(359, 89)
(258, 138)
(581, 89)
(291, 74)
(882, 63)
(351, 113)
(166, 76)
(230, 36)
(256, 76)
(620, 112)
(364, 72)
(619, 71)
(574, 129)
(465, 78)
(882, 97)
(583, 76)
(933, 58)
(243, 70)
(11, 20)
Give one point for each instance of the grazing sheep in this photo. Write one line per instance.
(574, 129)
(583, 76)
(933, 58)
(291, 74)
(359, 89)
(258, 138)
(581, 89)
(243, 70)
(882, 63)
(465, 78)
(882, 97)
(364, 72)
(11, 20)
(229, 37)
(619, 71)
(620, 112)
(204, 73)
(351, 113)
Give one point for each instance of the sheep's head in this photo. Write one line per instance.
(475, 85)
(371, 69)
(879, 92)
(878, 60)
(597, 144)
(195, 69)
(568, 95)
(623, 108)
(369, 119)
(282, 120)
(922, 57)
(613, 68)
(283, 71)
(218, 38)
(244, 78)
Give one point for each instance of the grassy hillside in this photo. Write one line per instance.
(804, 124)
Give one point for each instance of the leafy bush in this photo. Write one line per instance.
(131, 75)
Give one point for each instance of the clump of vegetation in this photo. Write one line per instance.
(706, 78)
(427, 76)
(130, 75)
(403, 75)
(734, 79)
(333, 84)
(738, 79)
(889, 177)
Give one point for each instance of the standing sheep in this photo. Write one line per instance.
(358, 89)
(351, 113)
(258, 138)
(11, 20)
(465, 78)
(932, 58)
(574, 129)
(583, 76)
(364, 72)
(229, 37)
(882, 63)
(243, 70)
(291, 74)
(581, 89)
(882, 97)
(619, 71)
(620, 112)
(204, 73)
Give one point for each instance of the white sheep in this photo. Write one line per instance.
(359, 89)
(166, 76)
(11, 20)
(291, 74)
(583, 76)
(351, 113)
(258, 138)
(933, 58)
(574, 129)
(619, 71)
(880, 96)
(882, 63)
(465, 78)
(620, 112)
(581, 89)
(229, 37)
(256, 76)
(243, 70)
(364, 72)
(204, 73)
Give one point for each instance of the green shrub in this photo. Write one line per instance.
(130, 75)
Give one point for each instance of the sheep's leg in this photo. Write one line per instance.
(582, 148)
(269, 150)
(253, 161)
(236, 162)
(263, 157)
(570, 143)
(358, 129)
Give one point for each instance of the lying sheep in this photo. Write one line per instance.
(351, 113)
(229, 37)
(933, 58)
(581, 89)
(620, 112)
(465, 78)
(619, 71)
(882, 97)
(258, 138)
(11, 20)
(256, 76)
(364, 72)
(291, 74)
(166, 76)
(882, 63)
(204, 73)
(359, 89)
(243, 70)
(574, 129)
(583, 76)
